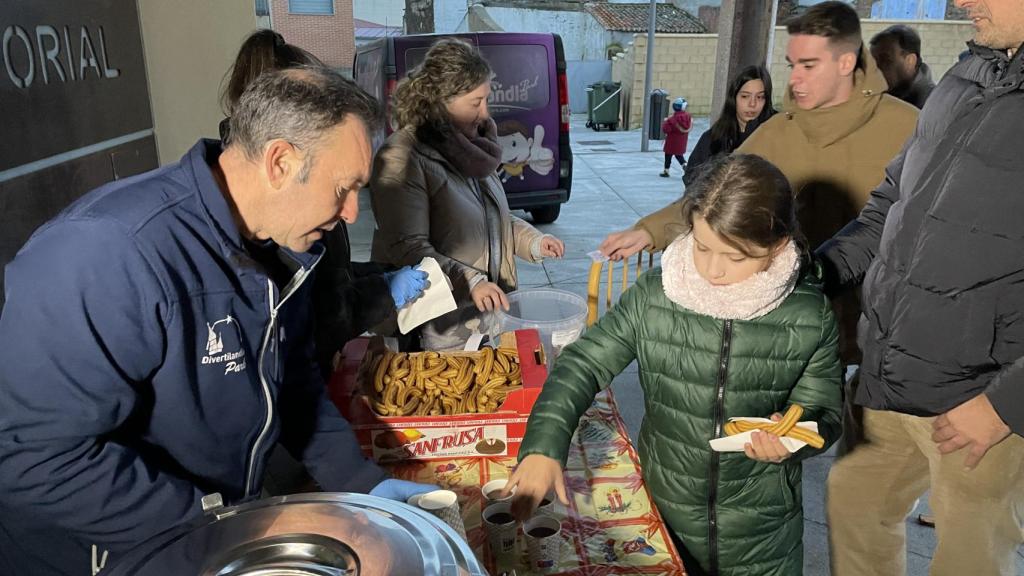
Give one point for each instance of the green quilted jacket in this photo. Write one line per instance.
(736, 516)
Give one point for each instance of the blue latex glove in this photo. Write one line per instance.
(406, 285)
(401, 490)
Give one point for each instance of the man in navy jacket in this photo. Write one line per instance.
(155, 343)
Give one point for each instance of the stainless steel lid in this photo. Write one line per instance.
(324, 534)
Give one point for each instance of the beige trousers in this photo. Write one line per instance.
(979, 514)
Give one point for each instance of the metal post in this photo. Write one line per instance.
(648, 66)
(770, 55)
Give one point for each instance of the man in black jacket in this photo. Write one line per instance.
(940, 251)
(897, 51)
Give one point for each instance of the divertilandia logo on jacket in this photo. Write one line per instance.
(225, 334)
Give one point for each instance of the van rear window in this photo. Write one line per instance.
(369, 72)
(520, 75)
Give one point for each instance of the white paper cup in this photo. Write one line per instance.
(500, 526)
(441, 503)
(548, 507)
(494, 487)
(543, 535)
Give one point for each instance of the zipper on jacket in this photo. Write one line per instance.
(269, 336)
(492, 275)
(267, 398)
(723, 372)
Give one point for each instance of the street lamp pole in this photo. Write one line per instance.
(770, 52)
(648, 66)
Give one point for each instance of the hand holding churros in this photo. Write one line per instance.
(785, 427)
(793, 433)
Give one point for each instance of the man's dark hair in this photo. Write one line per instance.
(904, 36)
(834, 20)
(298, 105)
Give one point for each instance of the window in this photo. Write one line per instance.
(311, 6)
(369, 72)
(263, 7)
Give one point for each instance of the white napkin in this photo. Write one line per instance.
(735, 443)
(436, 300)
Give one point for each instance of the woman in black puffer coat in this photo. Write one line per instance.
(747, 104)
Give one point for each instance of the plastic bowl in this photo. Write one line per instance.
(558, 316)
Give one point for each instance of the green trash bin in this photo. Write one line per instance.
(603, 102)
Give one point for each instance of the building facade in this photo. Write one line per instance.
(324, 27)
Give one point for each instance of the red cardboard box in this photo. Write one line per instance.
(395, 438)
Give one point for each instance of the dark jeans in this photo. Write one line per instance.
(679, 158)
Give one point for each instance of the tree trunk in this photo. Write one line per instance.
(419, 16)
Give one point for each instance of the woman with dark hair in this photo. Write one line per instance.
(748, 103)
(262, 50)
(436, 191)
(349, 297)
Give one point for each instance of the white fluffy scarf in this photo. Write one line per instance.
(746, 300)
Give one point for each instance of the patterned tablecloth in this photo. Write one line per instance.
(611, 526)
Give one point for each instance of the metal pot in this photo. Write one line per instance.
(324, 534)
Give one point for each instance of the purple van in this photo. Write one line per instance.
(529, 102)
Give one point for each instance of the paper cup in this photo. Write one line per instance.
(500, 526)
(543, 542)
(547, 505)
(441, 503)
(493, 488)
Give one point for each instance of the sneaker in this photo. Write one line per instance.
(664, 174)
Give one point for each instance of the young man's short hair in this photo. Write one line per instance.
(836, 21)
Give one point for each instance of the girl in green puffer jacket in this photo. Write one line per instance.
(731, 325)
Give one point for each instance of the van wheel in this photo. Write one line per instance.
(545, 214)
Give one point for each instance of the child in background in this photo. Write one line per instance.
(677, 131)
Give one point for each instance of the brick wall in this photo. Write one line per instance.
(329, 37)
(684, 64)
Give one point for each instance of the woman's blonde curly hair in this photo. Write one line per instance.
(451, 68)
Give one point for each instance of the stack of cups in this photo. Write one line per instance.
(444, 504)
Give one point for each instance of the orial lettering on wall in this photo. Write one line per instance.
(42, 56)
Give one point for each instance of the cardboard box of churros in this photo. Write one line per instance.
(439, 405)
